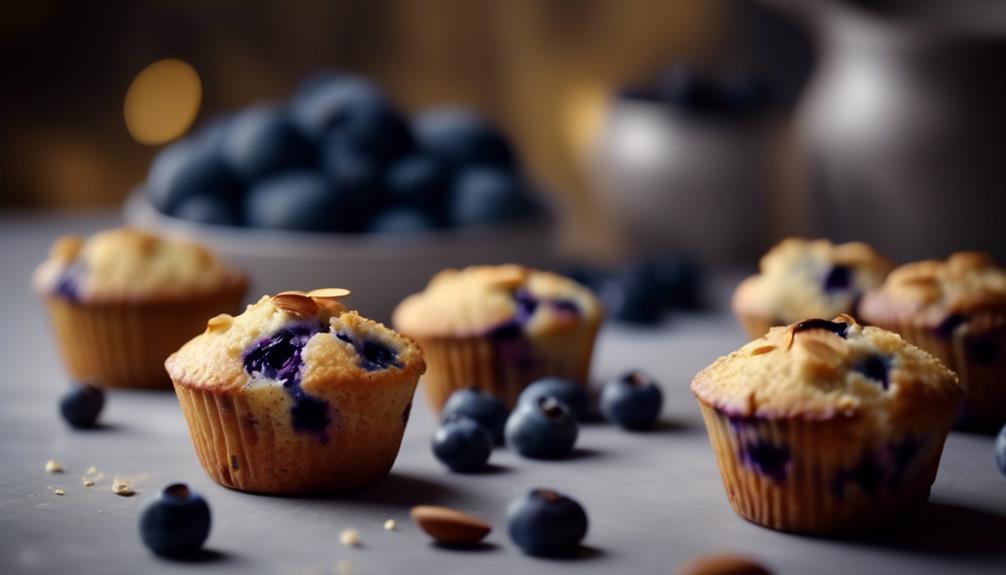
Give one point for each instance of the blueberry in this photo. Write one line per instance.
(678, 278)
(207, 209)
(462, 444)
(301, 200)
(567, 391)
(632, 296)
(1001, 450)
(488, 195)
(838, 278)
(177, 523)
(688, 89)
(403, 220)
(460, 137)
(324, 102)
(875, 367)
(542, 429)
(188, 168)
(839, 328)
(633, 401)
(263, 141)
(81, 406)
(375, 130)
(481, 407)
(547, 523)
(356, 175)
(419, 181)
(374, 355)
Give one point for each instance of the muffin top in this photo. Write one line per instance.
(128, 264)
(488, 300)
(819, 369)
(307, 344)
(810, 278)
(940, 294)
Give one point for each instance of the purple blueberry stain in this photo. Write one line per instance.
(374, 355)
(766, 458)
(879, 468)
(68, 283)
(838, 278)
(526, 304)
(875, 367)
(565, 306)
(279, 357)
(839, 328)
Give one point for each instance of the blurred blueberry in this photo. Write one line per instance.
(567, 391)
(325, 100)
(742, 93)
(357, 175)
(631, 296)
(207, 209)
(420, 181)
(462, 444)
(214, 130)
(263, 141)
(632, 401)
(484, 195)
(301, 200)
(547, 523)
(176, 523)
(542, 429)
(480, 406)
(460, 137)
(375, 130)
(400, 221)
(679, 280)
(689, 89)
(81, 406)
(187, 168)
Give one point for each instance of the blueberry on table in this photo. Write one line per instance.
(546, 523)
(632, 296)
(462, 444)
(542, 429)
(176, 523)
(565, 390)
(1001, 450)
(208, 209)
(262, 141)
(81, 406)
(678, 278)
(483, 195)
(301, 200)
(188, 168)
(632, 401)
(480, 406)
(461, 137)
(401, 221)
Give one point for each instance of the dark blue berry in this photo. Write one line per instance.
(1001, 450)
(488, 195)
(324, 102)
(766, 458)
(81, 406)
(632, 296)
(567, 391)
(543, 429)
(374, 355)
(189, 168)
(838, 278)
(263, 141)
(688, 89)
(679, 280)
(839, 328)
(419, 181)
(546, 523)
(875, 367)
(375, 130)
(462, 444)
(403, 220)
(208, 209)
(633, 401)
(300, 200)
(480, 406)
(460, 137)
(177, 523)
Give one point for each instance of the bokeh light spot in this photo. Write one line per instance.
(162, 101)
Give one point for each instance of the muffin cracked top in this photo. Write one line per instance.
(124, 264)
(940, 294)
(810, 278)
(819, 369)
(483, 300)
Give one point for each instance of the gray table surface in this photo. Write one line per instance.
(654, 499)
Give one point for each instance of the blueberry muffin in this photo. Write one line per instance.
(807, 278)
(827, 427)
(498, 328)
(955, 309)
(122, 300)
(296, 395)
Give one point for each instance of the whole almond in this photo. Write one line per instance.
(722, 564)
(297, 304)
(449, 526)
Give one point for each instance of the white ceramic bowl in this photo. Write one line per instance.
(380, 270)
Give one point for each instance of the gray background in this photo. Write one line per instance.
(654, 499)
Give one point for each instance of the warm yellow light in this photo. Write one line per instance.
(162, 101)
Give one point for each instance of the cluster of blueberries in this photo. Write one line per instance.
(705, 93)
(642, 292)
(340, 157)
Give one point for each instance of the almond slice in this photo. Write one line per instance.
(297, 304)
(508, 276)
(762, 349)
(219, 322)
(722, 564)
(448, 526)
(329, 293)
(66, 248)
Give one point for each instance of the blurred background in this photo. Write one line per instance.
(706, 127)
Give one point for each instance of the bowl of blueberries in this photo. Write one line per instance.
(337, 186)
